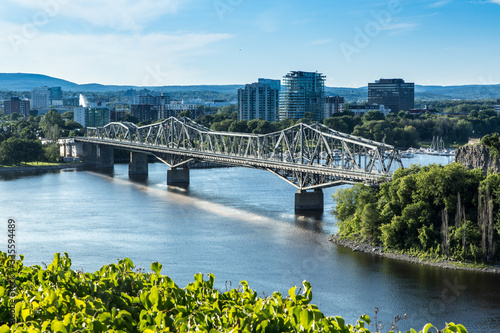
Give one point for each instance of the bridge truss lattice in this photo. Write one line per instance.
(306, 156)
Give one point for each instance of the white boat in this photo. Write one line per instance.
(407, 154)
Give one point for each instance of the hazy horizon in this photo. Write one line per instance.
(220, 42)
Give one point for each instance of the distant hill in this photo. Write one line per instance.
(26, 82)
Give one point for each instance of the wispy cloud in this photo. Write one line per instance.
(125, 15)
(440, 3)
(399, 28)
(115, 57)
(495, 1)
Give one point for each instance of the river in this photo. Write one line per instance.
(240, 225)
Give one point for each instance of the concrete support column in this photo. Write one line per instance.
(138, 165)
(105, 157)
(89, 153)
(178, 176)
(309, 201)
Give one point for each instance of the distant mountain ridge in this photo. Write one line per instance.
(26, 82)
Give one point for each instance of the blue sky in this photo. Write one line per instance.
(189, 42)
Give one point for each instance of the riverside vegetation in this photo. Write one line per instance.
(435, 211)
(118, 298)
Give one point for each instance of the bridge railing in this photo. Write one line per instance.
(313, 145)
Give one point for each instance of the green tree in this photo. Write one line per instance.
(69, 115)
(221, 126)
(52, 152)
(51, 124)
(370, 223)
(72, 125)
(185, 113)
(15, 150)
(238, 127)
(373, 115)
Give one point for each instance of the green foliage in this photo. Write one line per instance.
(118, 299)
(69, 115)
(408, 213)
(492, 141)
(51, 124)
(16, 150)
(51, 152)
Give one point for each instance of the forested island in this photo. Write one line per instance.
(435, 212)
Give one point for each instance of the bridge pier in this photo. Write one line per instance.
(309, 201)
(178, 176)
(89, 153)
(138, 165)
(105, 157)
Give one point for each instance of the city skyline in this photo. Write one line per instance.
(199, 42)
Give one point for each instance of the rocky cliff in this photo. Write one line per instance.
(477, 157)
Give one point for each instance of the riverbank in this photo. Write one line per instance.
(42, 168)
(381, 251)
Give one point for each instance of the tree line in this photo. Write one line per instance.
(437, 210)
(403, 130)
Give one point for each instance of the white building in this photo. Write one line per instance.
(258, 101)
(360, 110)
(497, 107)
(40, 98)
(79, 115)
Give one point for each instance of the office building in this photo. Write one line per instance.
(40, 98)
(95, 115)
(259, 101)
(333, 104)
(395, 94)
(302, 92)
(71, 101)
(56, 96)
(17, 105)
(44, 97)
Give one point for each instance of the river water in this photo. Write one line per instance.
(240, 225)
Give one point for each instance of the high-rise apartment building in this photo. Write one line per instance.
(17, 105)
(40, 98)
(79, 115)
(145, 112)
(154, 100)
(259, 101)
(302, 92)
(275, 84)
(394, 94)
(333, 104)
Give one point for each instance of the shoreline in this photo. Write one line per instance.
(380, 251)
(42, 168)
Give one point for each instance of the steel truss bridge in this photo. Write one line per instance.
(306, 156)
